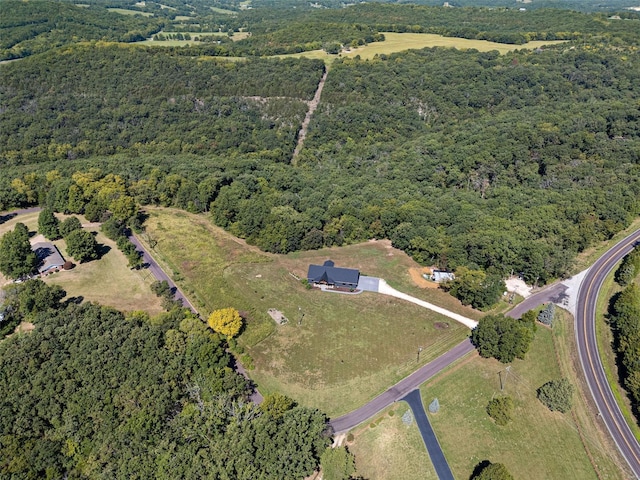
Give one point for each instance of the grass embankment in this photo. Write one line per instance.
(386, 448)
(398, 42)
(537, 443)
(337, 351)
(108, 280)
(607, 355)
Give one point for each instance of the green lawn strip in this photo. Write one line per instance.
(607, 355)
(536, 444)
(596, 439)
(387, 449)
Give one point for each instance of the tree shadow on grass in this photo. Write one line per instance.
(478, 468)
(102, 250)
(7, 217)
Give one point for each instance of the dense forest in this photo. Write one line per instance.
(93, 393)
(101, 99)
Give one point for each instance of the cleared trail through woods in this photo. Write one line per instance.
(313, 104)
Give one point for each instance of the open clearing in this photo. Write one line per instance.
(107, 280)
(124, 11)
(181, 43)
(398, 42)
(337, 351)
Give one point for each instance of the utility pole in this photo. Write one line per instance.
(506, 375)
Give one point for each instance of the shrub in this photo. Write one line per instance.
(557, 395)
(547, 314)
(501, 410)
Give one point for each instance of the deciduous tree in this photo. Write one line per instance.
(48, 224)
(226, 321)
(16, 257)
(82, 245)
(557, 395)
(502, 338)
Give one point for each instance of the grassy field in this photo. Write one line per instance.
(386, 448)
(337, 351)
(223, 11)
(124, 11)
(107, 281)
(538, 444)
(398, 42)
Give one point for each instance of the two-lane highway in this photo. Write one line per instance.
(589, 357)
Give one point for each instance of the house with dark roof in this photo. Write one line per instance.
(329, 274)
(49, 257)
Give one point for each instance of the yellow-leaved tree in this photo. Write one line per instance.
(226, 321)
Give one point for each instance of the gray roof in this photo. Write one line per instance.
(331, 275)
(48, 256)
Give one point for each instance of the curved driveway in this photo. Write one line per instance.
(590, 358)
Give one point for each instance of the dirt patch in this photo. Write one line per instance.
(277, 316)
(441, 325)
(419, 280)
(25, 327)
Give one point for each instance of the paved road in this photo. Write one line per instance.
(428, 435)
(159, 274)
(553, 293)
(590, 358)
(399, 390)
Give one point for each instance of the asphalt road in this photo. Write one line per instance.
(402, 388)
(431, 442)
(553, 293)
(603, 397)
(159, 274)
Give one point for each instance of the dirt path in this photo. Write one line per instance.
(313, 104)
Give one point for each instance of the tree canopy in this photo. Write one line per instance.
(503, 338)
(16, 257)
(161, 397)
(226, 321)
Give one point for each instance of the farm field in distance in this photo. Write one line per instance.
(337, 351)
(398, 42)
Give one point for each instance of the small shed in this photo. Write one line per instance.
(49, 257)
(328, 274)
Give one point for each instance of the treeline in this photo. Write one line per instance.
(499, 25)
(28, 28)
(104, 394)
(103, 99)
(624, 319)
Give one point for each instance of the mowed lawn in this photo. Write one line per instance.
(337, 351)
(387, 448)
(398, 42)
(108, 280)
(537, 444)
